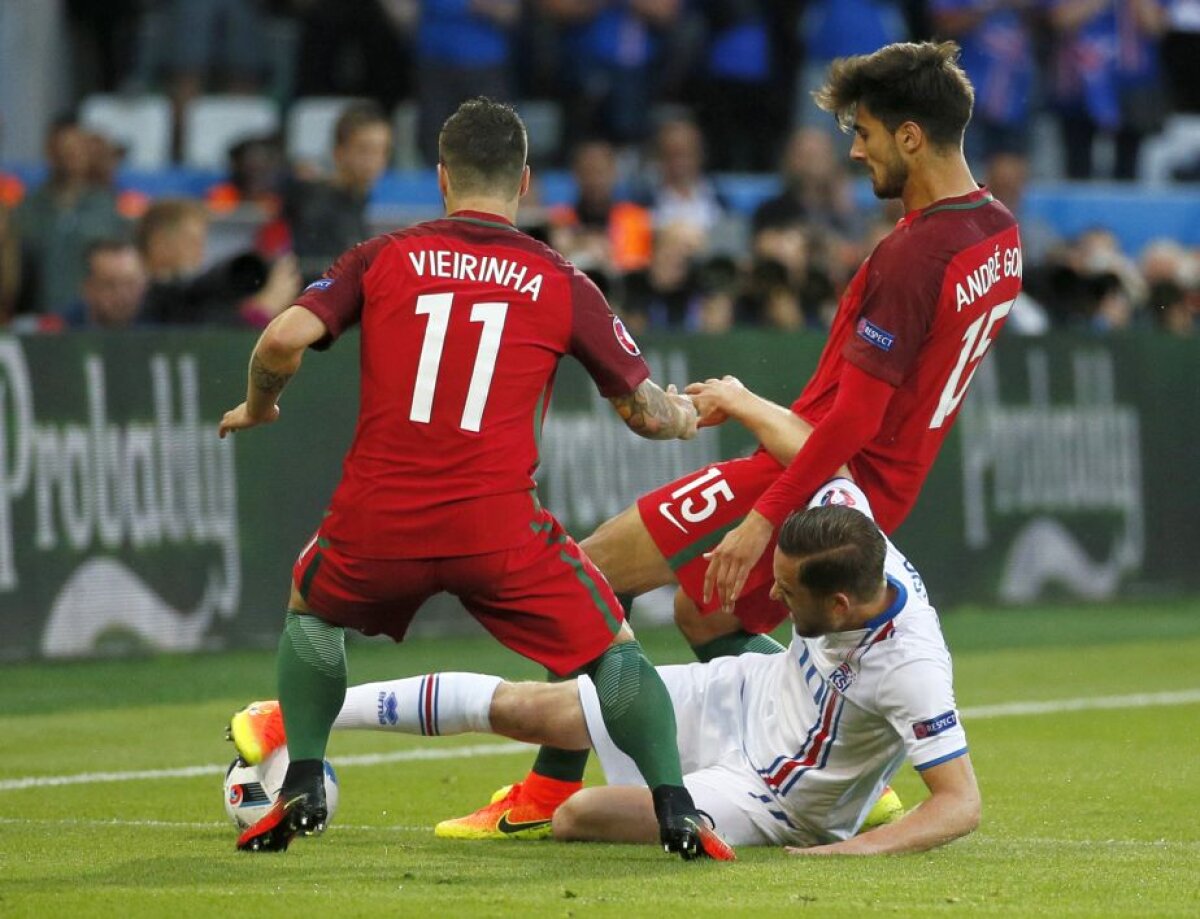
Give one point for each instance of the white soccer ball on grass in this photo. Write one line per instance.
(251, 790)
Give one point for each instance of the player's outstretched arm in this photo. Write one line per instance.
(657, 414)
(778, 429)
(951, 811)
(274, 361)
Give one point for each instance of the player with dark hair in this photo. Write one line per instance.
(782, 749)
(464, 320)
(910, 331)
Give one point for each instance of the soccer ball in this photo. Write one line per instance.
(251, 790)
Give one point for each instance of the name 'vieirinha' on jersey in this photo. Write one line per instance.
(486, 269)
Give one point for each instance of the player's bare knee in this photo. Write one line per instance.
(507, 709)
(696, 628)
(569, 822)
(539, 713)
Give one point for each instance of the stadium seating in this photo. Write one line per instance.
(543, 122)
(1177, 145)
(141, 124)
(213, 124)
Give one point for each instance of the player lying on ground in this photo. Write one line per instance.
(911, 328)
(783, 749)
(464, 321)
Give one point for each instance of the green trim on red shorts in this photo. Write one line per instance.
(703, 544)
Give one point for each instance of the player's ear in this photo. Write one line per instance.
(443, 178)
(910, 137)
(526, 175)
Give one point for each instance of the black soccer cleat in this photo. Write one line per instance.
(302, 813)
(685, 831)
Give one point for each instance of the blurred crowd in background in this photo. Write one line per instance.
(651, 100)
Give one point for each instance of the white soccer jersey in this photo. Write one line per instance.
(801, 744)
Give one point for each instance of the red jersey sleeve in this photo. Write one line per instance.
(899, 302)
(854, 419)
(600, 341)
(336, 298)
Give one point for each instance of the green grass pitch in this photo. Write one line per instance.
(1090, 808)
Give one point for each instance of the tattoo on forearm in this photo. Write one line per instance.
(649, 411)
(265, 380)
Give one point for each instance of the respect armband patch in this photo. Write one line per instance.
(931, 727)
(874, 335)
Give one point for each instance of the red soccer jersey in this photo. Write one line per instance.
(919, 314)
(464, 320)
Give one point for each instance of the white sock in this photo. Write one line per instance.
(434, 704)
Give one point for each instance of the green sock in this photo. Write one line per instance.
(311, 670)
(736, 643)
(637, 712)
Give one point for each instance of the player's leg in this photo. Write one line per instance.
(627, 556)
(639, 718)
(435, 705)
(549, 602)
(330, 592)
(311, 677)
(668, 529)
(721, 634)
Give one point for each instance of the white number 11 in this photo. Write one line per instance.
(437, 308)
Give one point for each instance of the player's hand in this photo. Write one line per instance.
(715, 399)
(686, 408)
(730, 563)
(239, 419)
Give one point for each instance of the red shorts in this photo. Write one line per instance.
(544, 599)
(690, 516)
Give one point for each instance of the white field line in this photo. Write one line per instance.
(978, 713)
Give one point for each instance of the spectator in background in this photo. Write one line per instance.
(663, 295)
(215, 44)
(258, 171)
(113, 289)
(244, 290)
(62, 217)
(789, 289)
(1089, 283)
(610, 52)
(1180, 52)
(601, 232)
(1107, 78)
(12, 269)
(464, 49)
(321, 219)
(1172, 276)
(997, 54)
(739, 101)
(357, 49)
(816, 188)
(1007, 178)
(684, 195)
(840, 28)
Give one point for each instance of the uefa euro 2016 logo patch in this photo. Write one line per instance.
(625, 338)
(934, 726)
(873, 334)
(839, 497)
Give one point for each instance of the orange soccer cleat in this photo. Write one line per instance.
(257, 730)
(520, 811)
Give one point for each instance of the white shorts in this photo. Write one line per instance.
(708, 712)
